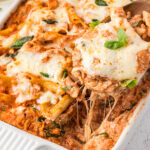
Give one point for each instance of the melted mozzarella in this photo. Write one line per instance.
(118, 3)
(33, 63)
(4, 60)
(118, 64)
(24, 89)
(35, 23)
(47, 97)
(88, 10)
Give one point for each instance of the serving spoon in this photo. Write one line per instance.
(138, 7)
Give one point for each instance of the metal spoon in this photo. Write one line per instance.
(138, 7)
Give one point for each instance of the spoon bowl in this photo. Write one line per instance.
(138, 7)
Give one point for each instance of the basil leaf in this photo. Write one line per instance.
(94, 23)
(49, 134)
(67, 88)
(56, 124)
(44, 74)
(122, 41)
(122, 36)
(34, 109)
(12, 55)
(100, 3)
(129, 83)
(103, 133)
(19, 43)
(65, 74)
(136, 24)
(50, 21)
(113, 45)
(131, 106)
(41, 118)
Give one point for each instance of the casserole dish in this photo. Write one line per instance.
(79, 45)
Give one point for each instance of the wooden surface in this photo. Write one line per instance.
(138, 7)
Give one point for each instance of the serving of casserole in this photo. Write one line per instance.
(74, 71)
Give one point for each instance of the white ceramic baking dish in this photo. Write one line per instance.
(12, 138)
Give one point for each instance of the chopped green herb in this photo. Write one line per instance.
(41, 118)
(132, 105)
(48, 134)
(50, 21)
(67, 88)
(113, 45)
(12, 55)
(144, 91)
(94, 23)
(65, 74)
(122, 41)
(44, 74)
(62, 132)
(129, 83)
(122, 37)
(19, 43)
(3, 109)
(34, 109)
(100, 3)
(103, 133)
(136, 24)
(56, 124)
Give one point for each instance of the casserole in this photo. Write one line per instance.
(29, 62)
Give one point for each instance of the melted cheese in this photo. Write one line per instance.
(118, 3)
(35, 24)
(33, 63)
(4, 60)
(118, 64)
(88, 10)
(24, 89)
(47, 97)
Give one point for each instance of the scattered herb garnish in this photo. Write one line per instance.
(12, 55)
(122, 41)
(19, 43)
(100, 3)
(50, 21)
(44, 74)
(34, 109)
(3, 109)
(94, 23)
(56, 124)
(67, 88)
(41, 118)
(103, 133)
(65, 74)
(136, 24)
(144, 91)
(48, 134)
(129, 83)
(131, 106)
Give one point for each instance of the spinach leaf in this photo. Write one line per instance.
(94, 23)
(19, 43)
(101, 3)
(50, 21)
(129, 83)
